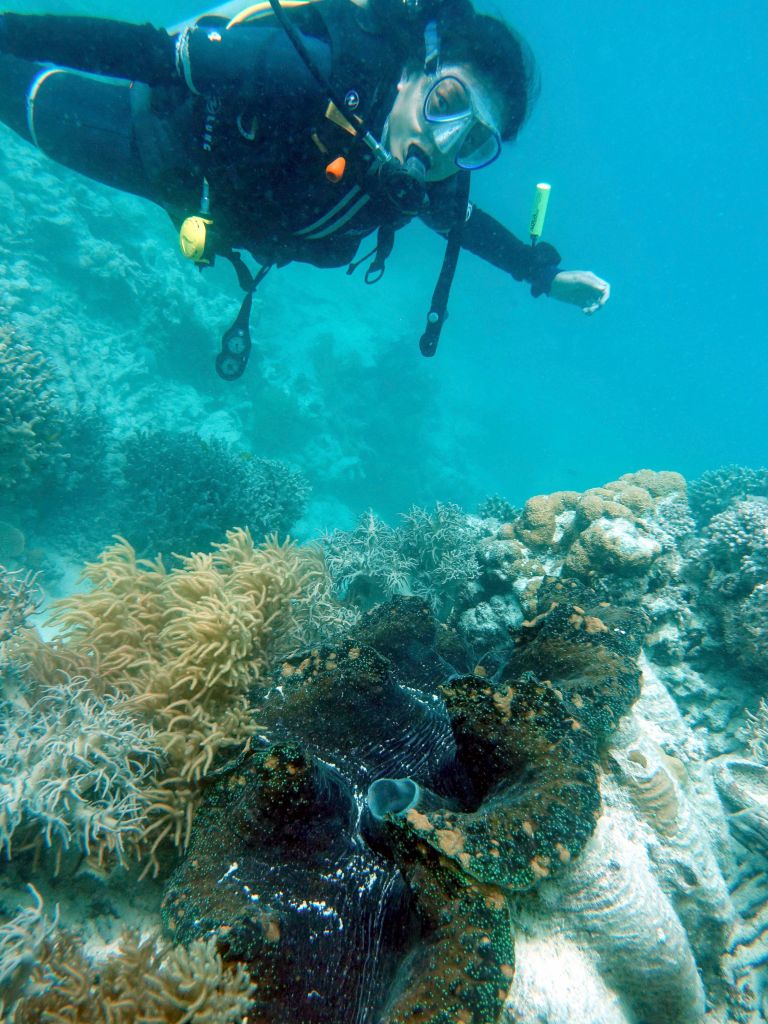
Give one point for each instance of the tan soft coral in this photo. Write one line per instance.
(181, 648)
(46, 975)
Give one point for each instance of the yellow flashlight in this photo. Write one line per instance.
(539, 211)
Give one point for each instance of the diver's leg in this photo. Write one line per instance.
(15, 78)
(82, 122)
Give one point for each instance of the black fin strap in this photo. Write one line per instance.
(438, 311)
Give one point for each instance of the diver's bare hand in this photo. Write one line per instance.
(580, 288)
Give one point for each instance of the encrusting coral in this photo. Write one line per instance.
(602, 530)
(171, 655)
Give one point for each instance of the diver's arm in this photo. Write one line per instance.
(255, 62)
(537, 264)
(491, 241)
(99, 46)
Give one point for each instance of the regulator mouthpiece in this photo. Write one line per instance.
(417, 163)
(406, 184)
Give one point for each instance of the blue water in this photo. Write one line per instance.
(650, 127)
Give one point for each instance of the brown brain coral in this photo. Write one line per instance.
(603, 529)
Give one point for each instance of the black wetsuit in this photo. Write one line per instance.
(239, 108)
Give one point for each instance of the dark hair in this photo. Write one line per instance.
(497, 54)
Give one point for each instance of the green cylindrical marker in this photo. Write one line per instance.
(539, 211)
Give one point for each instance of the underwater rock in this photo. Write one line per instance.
(612, 904)
(743, 784)
(644, 916)
(612, 545)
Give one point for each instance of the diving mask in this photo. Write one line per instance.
(458, 124)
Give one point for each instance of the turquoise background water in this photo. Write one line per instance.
(651, 129)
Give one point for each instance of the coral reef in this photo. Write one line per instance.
(603, 530)
(179, 494)
(732, 569)
(74, 770)
(19, 598)
(430, 555)
(131, 330)
(737, 546)
(29, 417)
(715, 489)
(496, 507)
(756, 733)
(482, 803)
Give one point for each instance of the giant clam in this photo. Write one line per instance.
(361, 862)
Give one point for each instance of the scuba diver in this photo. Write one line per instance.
(291, 130)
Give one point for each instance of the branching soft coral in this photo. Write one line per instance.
(179, 649)
(47, 976)
(19, 598)
(22, 939)
(431, 555)
(73, 767)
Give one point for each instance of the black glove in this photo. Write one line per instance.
(545, 259)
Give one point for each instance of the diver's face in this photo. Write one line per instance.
(409, 127)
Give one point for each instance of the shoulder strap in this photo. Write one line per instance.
(438, 310)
